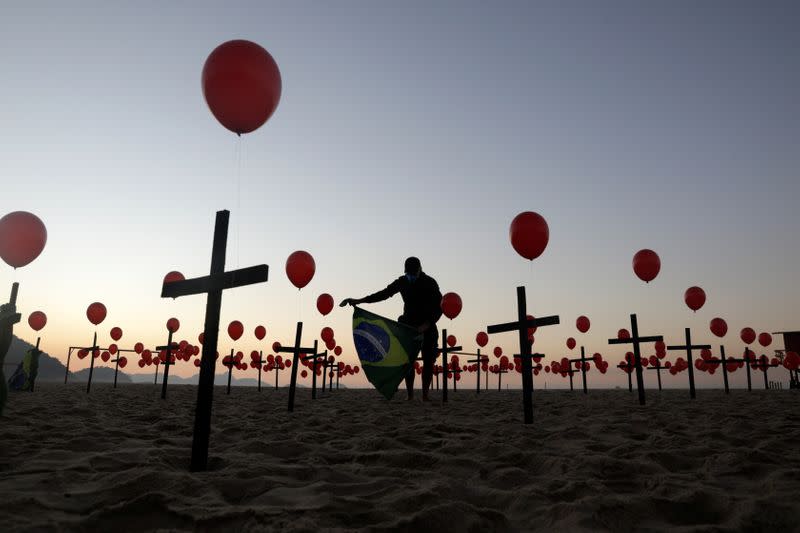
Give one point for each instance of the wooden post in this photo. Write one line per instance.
(445, 350)
(689, 347)
(296, 352)
(167, 363)
(91, 363)
(637, 341)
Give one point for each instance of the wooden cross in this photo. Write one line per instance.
(746, 362)
(230, 365)
(722, 362)
(217, 281)
(689, 347)
(570, 372)
(479, 362)
(500, 373)
(167, 363)
(260, 362)
(521, 326)
(763, 364)
(91, 362)
(314, 358)
(637, 341)
(658, 368)
(444, 350)
(628, 366)
(116, 364)
(583, 361)
(296, 352)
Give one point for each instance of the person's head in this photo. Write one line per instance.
(413, 268)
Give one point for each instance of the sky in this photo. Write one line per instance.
(410, 128)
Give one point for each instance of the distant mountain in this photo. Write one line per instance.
(51, 369)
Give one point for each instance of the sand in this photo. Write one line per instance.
(117, 460)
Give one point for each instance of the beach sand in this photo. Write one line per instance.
(117, 460)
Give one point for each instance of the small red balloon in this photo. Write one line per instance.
(260, 332)
(451, 305)
(482, 339)
(96, 313)
(498, 351)
(748, 335)
(451, 340)
(623, 334)
(325, 303)
(116, 333)
(529, 234)
(22, 238)
(646, 265)
(718, 327)
(300, 268)
(337, 350)
(326, 334)
(764, 339)
(242, 85)
(694, 297)
(173, 324)
(173, 276)
(276, 346)
(582, 323)
(123, 362)
(571, 343)
(37, 320)
(235, 330)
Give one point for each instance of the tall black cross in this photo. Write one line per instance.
(217, 281)
(444, 350)
(689, 347)
(521, 326)
(637, 341)
(296, 352)
(92, 350)
(259, 364)
(167, 363)
(722, 362)
(582, 359)
(764, 364)
(315, 357)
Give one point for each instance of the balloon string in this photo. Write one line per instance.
(238, 196)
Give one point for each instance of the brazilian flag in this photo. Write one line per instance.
(25, 375)
(386, 349)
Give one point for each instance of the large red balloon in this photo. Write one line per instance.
(260, 332)
(451, 305)
(529, 234)
(719, 327)
(764, 339)
(325, 303)
(300, 268)
(241, 85)
(235, 330)
(116, 333)
(37, 320)
(582, 323)
(173, 324)
(646, 265)
(22, 238)
(694, 297)
(96, 313)
(748, 335)
(482, 339)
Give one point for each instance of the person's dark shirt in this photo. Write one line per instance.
(422, 300)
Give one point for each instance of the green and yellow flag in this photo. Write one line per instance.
(386, 349)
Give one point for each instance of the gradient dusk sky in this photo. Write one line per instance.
(411, 128)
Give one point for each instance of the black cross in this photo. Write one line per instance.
(689, 347)
(722, 362)
(116, 363)
(478, 359)
(314, 358)
(570, 372)
(521, 326)
(658, 368)
(91, 363)
(217, 281)
(746, 362)
(637, 341)
(326, 372)
(444, 350)
(296, 352)
(628, 366)
(230, 365)
(499, 373)
(763, 364)
(260, 362)
(583, 361)
(167, 363)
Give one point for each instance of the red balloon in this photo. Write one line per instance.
(694, 297)
(451, 305)
(325, 303)
(173, 324)
(304, 374)
(623, 334)
(173, 276)
(123, 362)
(276, 346)
(747, 335)
(37, 320)
(326, 334)
(116, 333)
(718, 327)
(482, 339)
(260, 332)
(96, 313)
(571, 343)
(105, 356)
(337, 350)
(451, 340)
(241, 85)
(22, 238)
(201, 337)
(235, 330)
(112, 349)
(138, 347)
(300, 268)
(498, 351)
(331, 344)
(646, 265)
(582, 323)
(529, 234)
(764, 339)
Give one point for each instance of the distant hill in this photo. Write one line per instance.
(51, 369)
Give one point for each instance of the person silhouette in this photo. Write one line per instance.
(422, 308)
(8, 317)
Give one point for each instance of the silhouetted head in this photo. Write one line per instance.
(412, 268)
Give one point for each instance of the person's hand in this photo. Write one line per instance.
(349, 301)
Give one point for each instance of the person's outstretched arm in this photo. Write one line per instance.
(384, 294)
